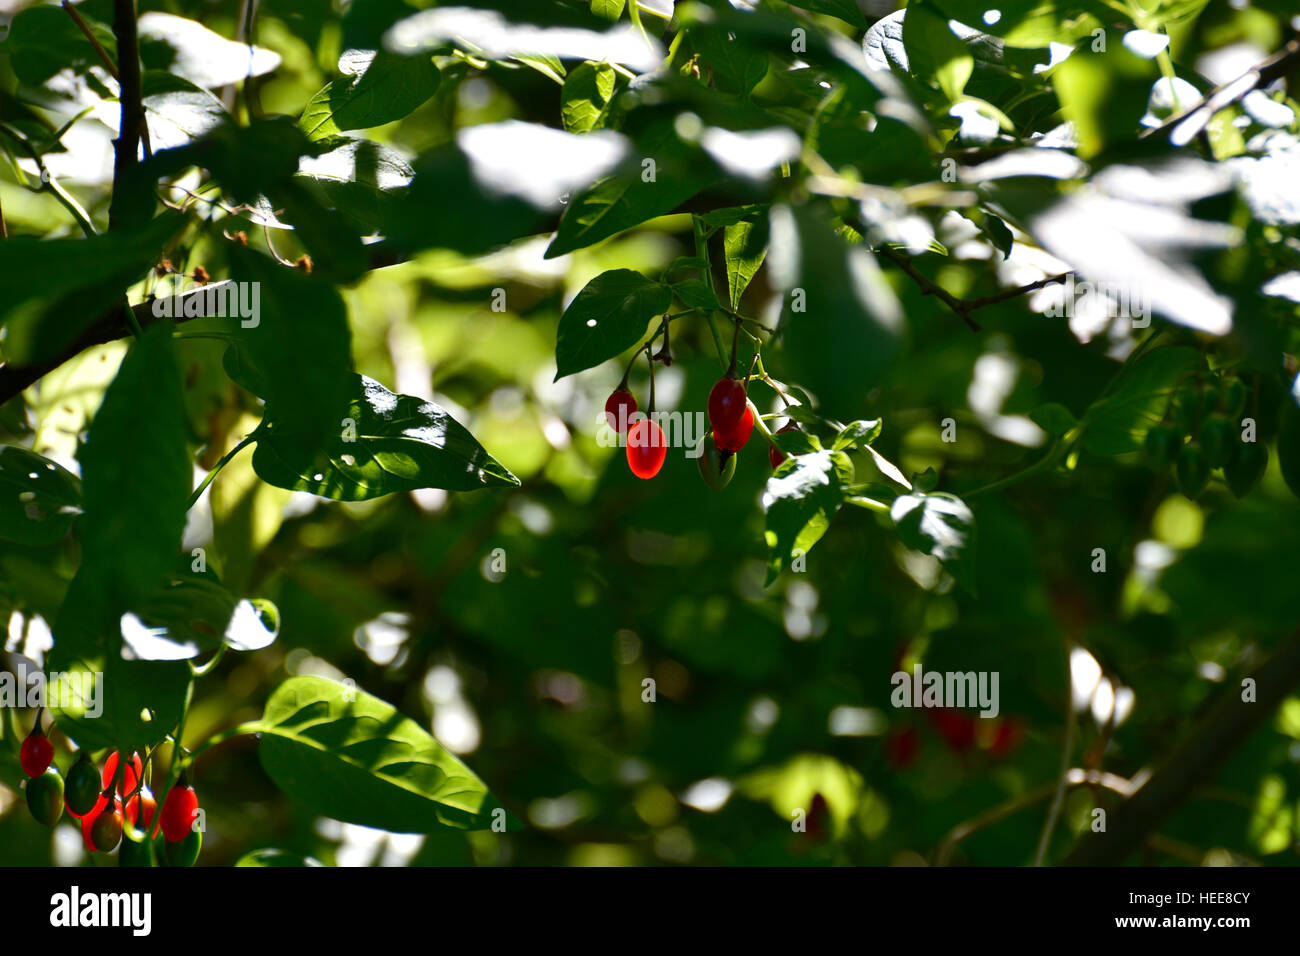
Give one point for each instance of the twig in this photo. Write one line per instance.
(1222, 729)
(126, 146)
(1184, 126)
(81, 24)
(108, 328)
(4, 231)
(1076, 777)
(964, 307)
(1058, 799)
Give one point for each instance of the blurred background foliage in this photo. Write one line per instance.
(769, 700)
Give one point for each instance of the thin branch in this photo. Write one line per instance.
(1067, 748)
(127, 145)
(1196, 759)
(81, 25)
(108, 328)
(964, 307)
(1184, 126)
(1076, 777)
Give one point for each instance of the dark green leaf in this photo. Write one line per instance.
(136, 479)
(46, 308)
(38, 499)
(364, 180)
(295, 352)
(352, 757)
(1032, 23)
(136, 475)
(846, 10)
(1288, 438)
(382, 443)
(1053, 418)
(841, 321)
(696, 293)
(1118, 423)
(43, 40)
(606, 318)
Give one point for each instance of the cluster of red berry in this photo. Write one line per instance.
(960, 732)
(114, 808)
(731, 423)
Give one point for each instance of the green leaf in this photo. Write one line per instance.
(736, 67)
(39, 500)
(1053, 418)
(841, 322)
(1033, 23)
(670, 172)
(846, 10)
(189, 50)
(277, 858)
(587, 91)
(859, 433)
(136, 479)
(934, 53)
(744, 245)
(941, 525)
(295, 352)
(194, 613)
(1288, 438)
(352, 757)
(610, 10)
(696, 293)
(1119, 422)
(732, 214)
(364, 180)
(376, 88)
(800, 499)
(43, 40)
(382, 443)
(606, 318)
(136, 475)
(546, 64)
(177, 110)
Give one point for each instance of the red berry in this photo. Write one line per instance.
(734, 439)
(646, 448)
(130, 777)
(178, 812)
(1007, 737)
(619, 408)
(902, 747)
(727, 404)
(36, 753)
(774, 454)
(818, 816)
(955, 727)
